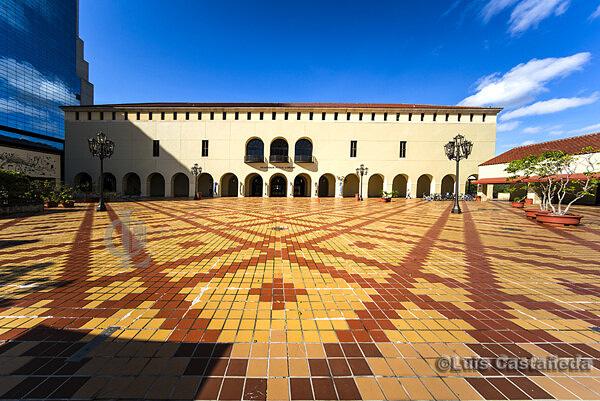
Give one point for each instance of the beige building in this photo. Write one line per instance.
(276, 149)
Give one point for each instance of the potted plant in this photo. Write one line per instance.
(518, 203)
(478, 198)
(387, 196)
(66, 196)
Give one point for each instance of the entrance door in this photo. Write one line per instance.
(278, 187)
(299, 187)
(323, 187)
(256, 186)
(233, 186)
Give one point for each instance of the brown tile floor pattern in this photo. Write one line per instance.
(295, 299)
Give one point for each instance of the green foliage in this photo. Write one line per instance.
(13, 186)
(391, 194)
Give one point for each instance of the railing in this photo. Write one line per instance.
(254, 159)
(279, 159)
(304, 159)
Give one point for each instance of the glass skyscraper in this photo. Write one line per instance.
(41, 68)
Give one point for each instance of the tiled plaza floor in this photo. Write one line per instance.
(295, 299)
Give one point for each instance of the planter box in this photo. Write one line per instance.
(529, 201)
(385, 199)
(518, 205)
(558, 219)
(533, 213)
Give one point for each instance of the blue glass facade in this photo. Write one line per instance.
(38, 61)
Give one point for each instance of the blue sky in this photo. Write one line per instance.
(540, 59)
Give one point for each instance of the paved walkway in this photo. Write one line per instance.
(296, 299)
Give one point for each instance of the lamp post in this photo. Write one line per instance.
(362, 170)
(196, 170)
(101, 147)
(458, 149)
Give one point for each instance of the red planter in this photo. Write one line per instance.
(356, 197)
(51, 204)
(68, 204)
(532, 213)
(385, 199)
(518, 205)
(558, 219)
(478, 199)
(529, 201)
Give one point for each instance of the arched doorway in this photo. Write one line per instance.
(301, 186)
(279, 151)
(400, 184)
(132, 184)
(156, 185)
(205, 185)
(423, 186)
(469, 187)
(375, 186)
(229, 185)
(326, 186)
(253, 185)
(447, 184)
(84, 182)
(350, 186)
(180, 185)
(303, 151)
(278, 186)
(110, 183)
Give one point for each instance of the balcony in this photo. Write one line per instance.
(279, 159)
(254, 159)
(304, 159)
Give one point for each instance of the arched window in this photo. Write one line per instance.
(279, 151)
(303, 153)
(255, 151)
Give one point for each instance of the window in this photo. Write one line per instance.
(212, 115)
(149, 116)
(459, 116)
(434, 116)
(76, 115)
(286, 115)
(303, 151)
(256, 149)
(204, 147)
(102, 115)
(447, 116)
(335, 116)
(298, 115)
(471, 117)
(409, 116)
(397, 116)
(422, 116)
(224, 115)
(162, 115)
(137, 115)
(262, 115)
(352, 148)
(237, 115)
(199, 115)
(249, 116)
(348, 116)
(402, 149)
(274, 116)
(174, 116)
(187, 115)
(372, 116)
(155, 148)
(483, 118)
(360, 116)
(323, 116)
(89, 115)
(126, 116)
(384, 116)
(310, 116)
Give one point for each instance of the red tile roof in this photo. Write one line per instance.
(570, 145)
(293, 105)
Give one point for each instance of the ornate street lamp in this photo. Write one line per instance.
(196, 170)
(362, 170)
(458, 149)
(101, 147)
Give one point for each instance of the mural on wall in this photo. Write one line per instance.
(32, 164)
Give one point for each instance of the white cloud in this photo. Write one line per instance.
(504, 127)
(522, 83)
(590, 129)
(556, 132)
(596, 13)
(12, 105)
(531, 130)
(529, 142)
(526, 13)
(550, 106)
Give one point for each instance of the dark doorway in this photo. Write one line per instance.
(299, 187)
(278, 187)
(233, 184)
(256, 186)
(598, 195)
(323, 187)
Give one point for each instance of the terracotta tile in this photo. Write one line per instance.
(369, 388)
(255, 389)
(301, 389)
(392, 388)
(346, 388)
(257, 367)
(324, 389)
(298, 367)
(277, 389)
(415, 389)
(232, 389)
(278, 368)
(209, 388)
